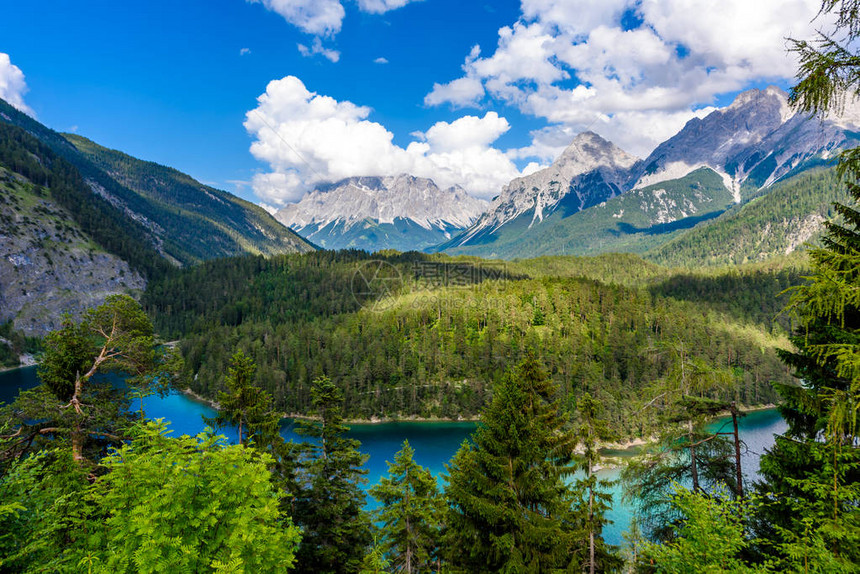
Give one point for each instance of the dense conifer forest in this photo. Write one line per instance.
(436, 350)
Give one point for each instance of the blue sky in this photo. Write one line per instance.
(469, 93)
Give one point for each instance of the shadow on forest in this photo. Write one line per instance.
(661, 228)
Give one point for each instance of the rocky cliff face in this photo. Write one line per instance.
(48, 266)
(402, 212)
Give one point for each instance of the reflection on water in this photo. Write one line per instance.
(434, 443)
(16, 379)
(756, 430)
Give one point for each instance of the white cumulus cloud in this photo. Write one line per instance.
(632, 70)
(317, 48)
(747, 36)
(467, 132)
(308, 138)
(12, 84)
(324, 17)
(461, 92)
(573, 17)
(382, 6)
(319, 17)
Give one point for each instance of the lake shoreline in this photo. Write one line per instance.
(439, 440)
(623, 445)
(353, 422)
(609, 461)
(27, 361)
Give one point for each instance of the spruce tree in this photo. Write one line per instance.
(374, 562)
(509, 503)
(410, 513)
(251, 410)
(813, 472)
(247, 407)
(336, 531)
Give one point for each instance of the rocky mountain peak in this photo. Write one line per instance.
(768, 97)
(382, 200)
(590, 170)
(587, 152)
(750, 144)
(723, 140)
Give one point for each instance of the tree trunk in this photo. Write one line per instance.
(590, 522)
(408, 528)
(77, 443)
(591, 551)
(77, 432)
(694, 470)
(740, 475)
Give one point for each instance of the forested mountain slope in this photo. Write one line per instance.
(211, 222)
(774, 224)
(750, 293)
(185, 221)
(431, 347)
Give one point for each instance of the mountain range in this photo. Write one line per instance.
(79, 221)
(596, 198)
(401, 212)
(590, 171)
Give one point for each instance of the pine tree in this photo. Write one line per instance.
(243, 405)
(70, 405)
(594, 501)
(410, 513)
(336, 531)
(509, 505)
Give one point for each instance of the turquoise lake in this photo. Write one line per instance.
(434, 443)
